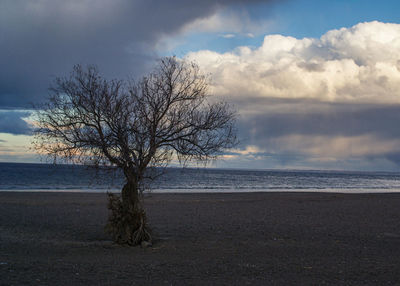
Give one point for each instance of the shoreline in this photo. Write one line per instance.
(216, 191)
(281, 238)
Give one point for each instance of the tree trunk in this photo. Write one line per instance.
(127, 219)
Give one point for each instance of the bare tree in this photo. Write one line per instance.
(134, 126)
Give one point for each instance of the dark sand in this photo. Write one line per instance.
(204, 239)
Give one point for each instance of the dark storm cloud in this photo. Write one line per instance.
(12, 122)
(393, 157)
(43, 39)
(305, 117)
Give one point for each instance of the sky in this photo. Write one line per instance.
(316, 83)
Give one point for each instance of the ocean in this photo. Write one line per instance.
(61, 178)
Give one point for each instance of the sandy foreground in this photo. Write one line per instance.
(204, 239)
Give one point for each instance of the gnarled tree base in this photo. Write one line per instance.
(126, 222)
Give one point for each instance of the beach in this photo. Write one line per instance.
(283, 238)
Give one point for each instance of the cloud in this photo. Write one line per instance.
(334, 147)
(357, 64)
(230, 21)
(314, 118)
(250, 149)
(43, 39)
(15, 148)
(332, 102)
(13, 122)
(228, 36)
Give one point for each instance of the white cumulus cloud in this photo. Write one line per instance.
(228, 21)
(358, 64)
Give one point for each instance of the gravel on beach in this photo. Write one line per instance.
(204, 239)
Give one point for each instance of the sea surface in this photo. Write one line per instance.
(61, 178)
